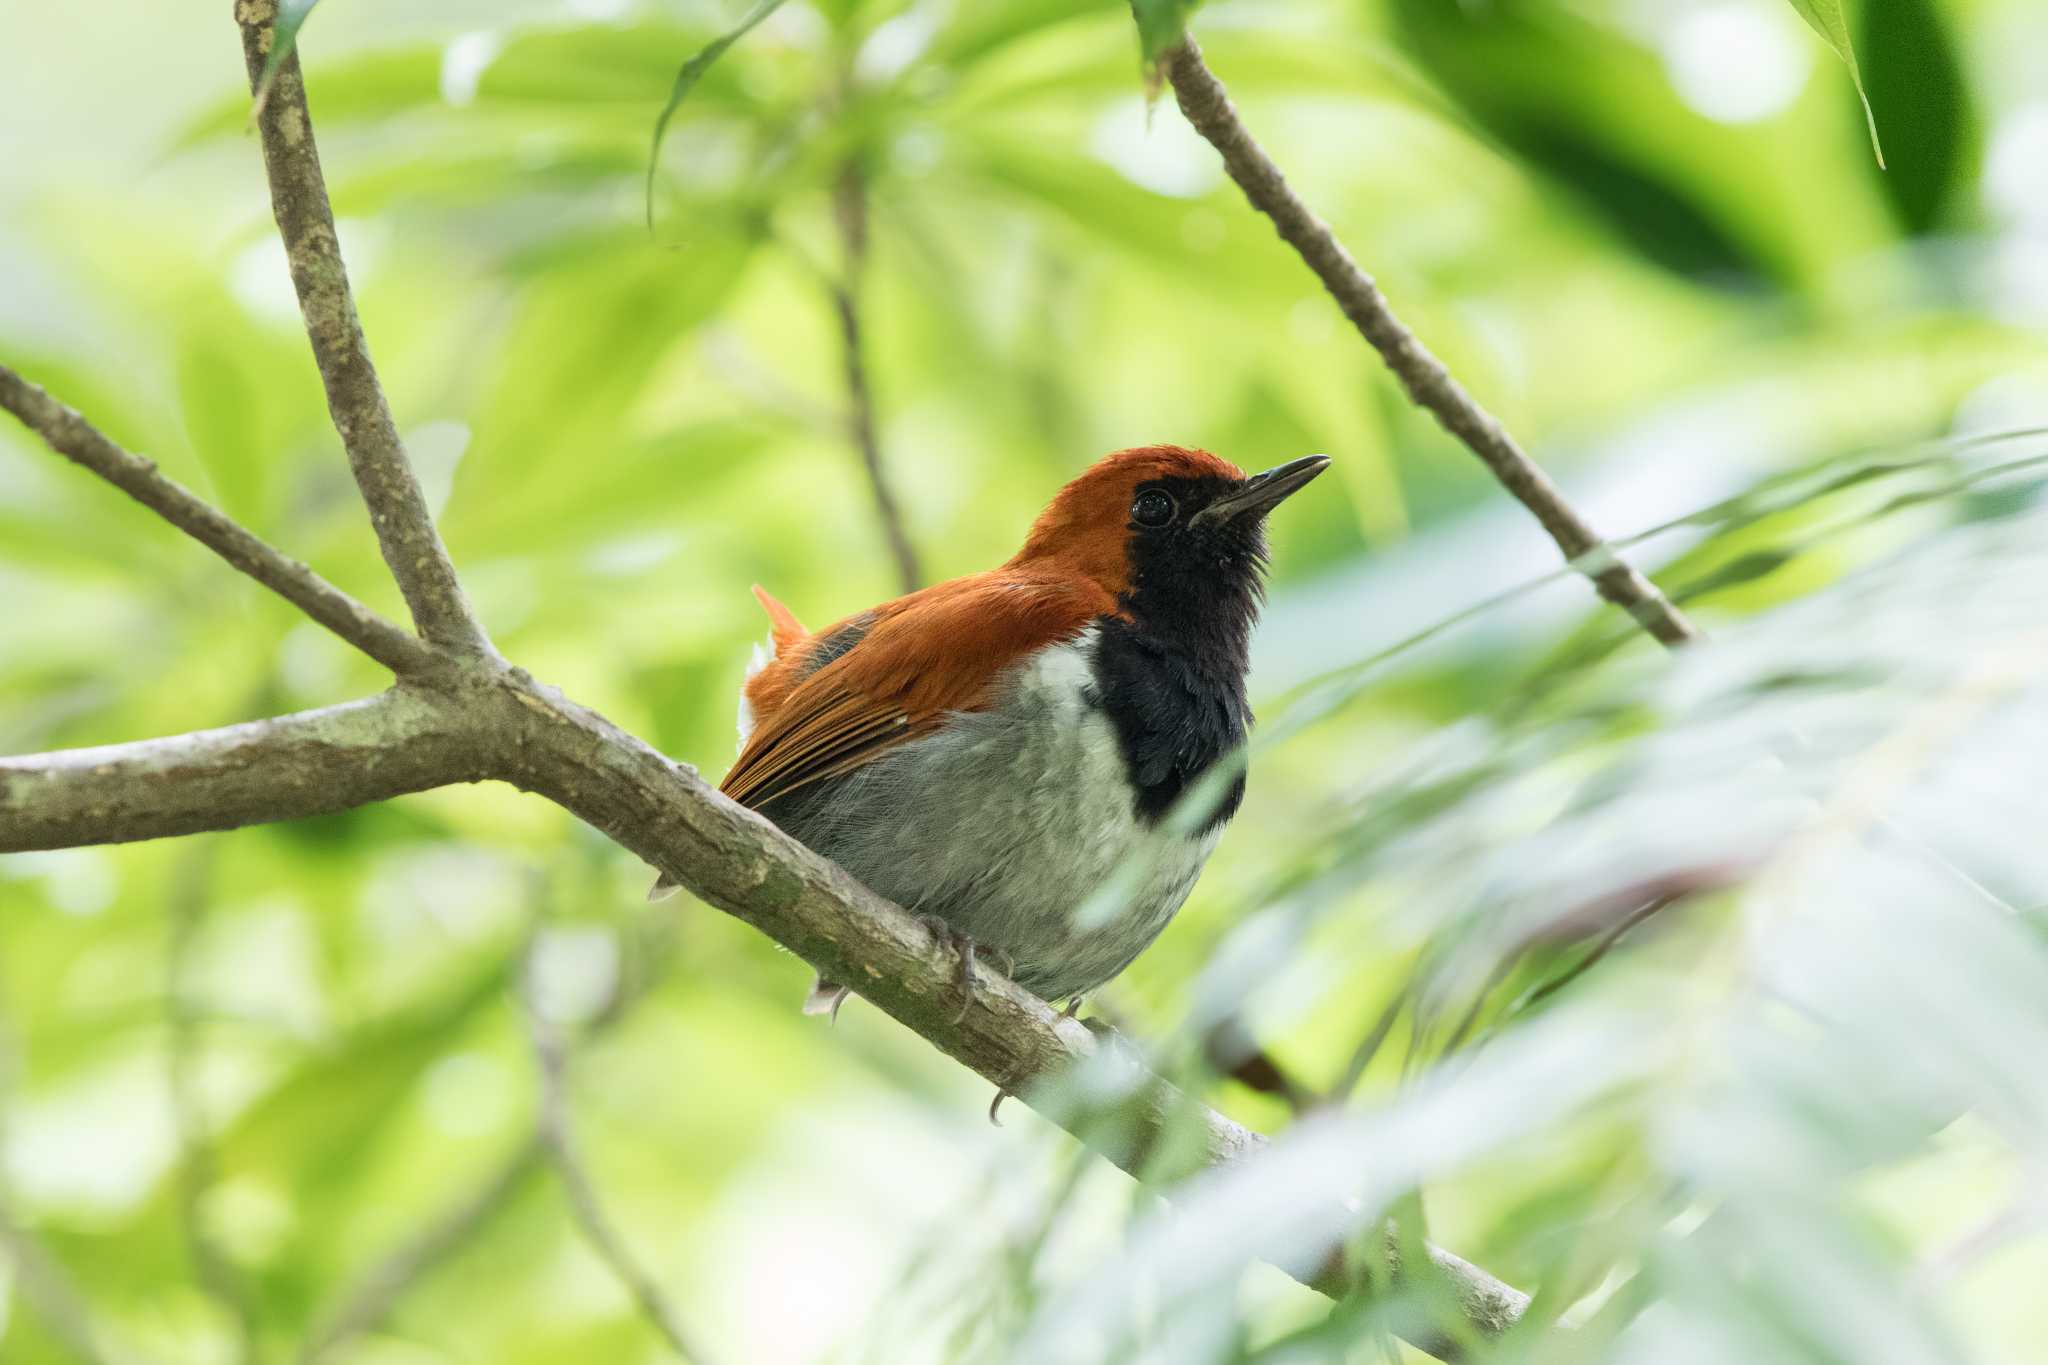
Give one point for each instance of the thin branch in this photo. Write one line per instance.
(558, 1139)
(306, 763)
(79, 441)
(198, 1168)
(378, 1292)
(850, 211)
(362, 417)
(1207, 106)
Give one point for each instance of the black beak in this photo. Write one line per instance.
(1261, 493)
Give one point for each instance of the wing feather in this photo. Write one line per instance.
(910, 663)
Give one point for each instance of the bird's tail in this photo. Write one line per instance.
(825, 998)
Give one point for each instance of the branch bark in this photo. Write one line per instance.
(285, 768)
(1207, 106)
(79, 441)
(362, 417)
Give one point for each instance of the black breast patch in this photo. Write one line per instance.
(1174, 713)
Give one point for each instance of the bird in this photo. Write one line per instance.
(988, 751)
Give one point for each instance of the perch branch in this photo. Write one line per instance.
(284, 768)
(79, 441)
(850, 211)
(1207, 106)
(355, 399)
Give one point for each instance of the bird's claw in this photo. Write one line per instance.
(963, 945)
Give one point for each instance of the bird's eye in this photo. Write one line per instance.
(1153, 508)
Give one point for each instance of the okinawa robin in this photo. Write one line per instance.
(988, 751)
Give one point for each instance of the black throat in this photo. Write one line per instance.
(1170, 671)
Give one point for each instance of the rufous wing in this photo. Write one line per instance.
(860, 688)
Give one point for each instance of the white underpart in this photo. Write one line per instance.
(1004, 821)
(764, 655)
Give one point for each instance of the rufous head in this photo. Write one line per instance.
(1158, 522)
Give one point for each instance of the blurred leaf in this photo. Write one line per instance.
(686, 80)
(1595, 112)
(1826, 18)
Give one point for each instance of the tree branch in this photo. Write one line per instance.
(307, 763)
(79, 441)
(850, 211)
(1207, 106)
(362, 417)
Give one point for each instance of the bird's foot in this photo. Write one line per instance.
(995, 1104)
(1073, 1007)
(963, 945)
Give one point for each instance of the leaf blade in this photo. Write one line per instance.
(1827, 18)
(687, 77)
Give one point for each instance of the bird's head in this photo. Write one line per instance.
(1177, 536)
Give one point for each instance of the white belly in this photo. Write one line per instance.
(1005, 822)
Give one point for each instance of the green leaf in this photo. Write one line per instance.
(687, 77)
(1917, 77)
(1161, 24)
(284, 36)
(1826, 18)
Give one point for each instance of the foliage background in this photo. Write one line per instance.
(1649, 235)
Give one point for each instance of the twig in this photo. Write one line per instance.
(362, 417)
(79, 441)
(379, 1290)
(197, 1167)
(551, 1055)
(1207, 106)
(850, 211)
